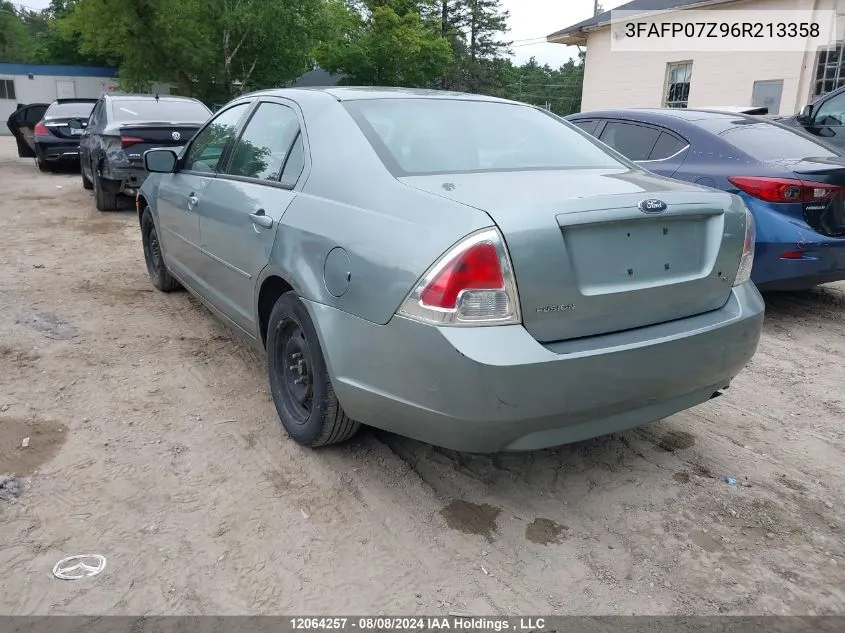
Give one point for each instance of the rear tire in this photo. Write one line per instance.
(299, 381)
(159, 275)
(86, 183)
(103, 200)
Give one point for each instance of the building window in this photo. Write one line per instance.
(7, 89)
(830, 70)
(677, 85)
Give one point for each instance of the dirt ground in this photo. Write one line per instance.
(153, 441)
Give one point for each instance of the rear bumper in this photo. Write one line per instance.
(822, 258)
(819, 264)
(125, 179)
(57, 152)
(496, 388)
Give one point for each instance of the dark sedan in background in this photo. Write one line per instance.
(121, 129)
(824, 118)
(791, 182)
(56, 143)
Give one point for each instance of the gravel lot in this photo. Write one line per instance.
(154, 442)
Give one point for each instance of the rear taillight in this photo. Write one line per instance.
(41, 129)
(746, 262)
(783, 189)
(128, 141)
(472, 284)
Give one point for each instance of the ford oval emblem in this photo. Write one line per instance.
(652, 206)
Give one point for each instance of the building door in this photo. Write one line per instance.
(65, 89)
(767, 94)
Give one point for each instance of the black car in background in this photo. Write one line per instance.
(56, 143)
(824, 118)
(121, 129)
(22, 124)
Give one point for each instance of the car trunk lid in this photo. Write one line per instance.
(59, 127)
(137, 138)
(589, 261)
(826, 214)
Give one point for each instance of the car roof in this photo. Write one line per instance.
(148, 97)
(356, 93)
(683, 114)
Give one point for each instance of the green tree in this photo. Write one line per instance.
(485, 21)
(51, 46)
(558, 89)
(473, 28)
(211, 49)
(384, 42)
(16, 45)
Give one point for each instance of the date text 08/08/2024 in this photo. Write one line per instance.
(382, 623)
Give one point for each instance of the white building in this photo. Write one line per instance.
(783, 81)
(35, 83)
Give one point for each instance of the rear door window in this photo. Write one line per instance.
(631, 140)
(265, 143)
(208, 145)
(667, 145)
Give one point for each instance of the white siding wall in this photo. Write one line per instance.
(623, 79)
(42, 89)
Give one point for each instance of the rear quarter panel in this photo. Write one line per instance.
(390, 233)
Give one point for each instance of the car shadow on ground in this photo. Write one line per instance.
(822, 305)
(125, 203)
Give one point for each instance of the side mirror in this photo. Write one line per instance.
(160, 161)
(806, 115)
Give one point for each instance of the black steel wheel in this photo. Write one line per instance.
(295, 360)
(299, 381)
(159, 275)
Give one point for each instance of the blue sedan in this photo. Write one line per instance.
(791, 182)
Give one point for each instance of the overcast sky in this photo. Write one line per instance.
(529, 19)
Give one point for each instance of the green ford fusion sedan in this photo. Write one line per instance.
(467, 271)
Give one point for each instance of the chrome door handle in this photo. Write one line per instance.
(262, 220)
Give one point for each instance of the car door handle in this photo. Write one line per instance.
(261, 219)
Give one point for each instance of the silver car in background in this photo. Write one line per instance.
(468, 271)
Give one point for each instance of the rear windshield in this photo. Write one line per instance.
(81, 110)
(765, 141)
(436, 136)
(161, 111)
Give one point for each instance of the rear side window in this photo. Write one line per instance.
(262, 148)
(295, 163)
(588, 126)
(667, 145)
(632, 141)
(766, 141)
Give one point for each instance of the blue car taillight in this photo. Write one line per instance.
(784, 189)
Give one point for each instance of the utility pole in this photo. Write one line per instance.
(595, 8)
